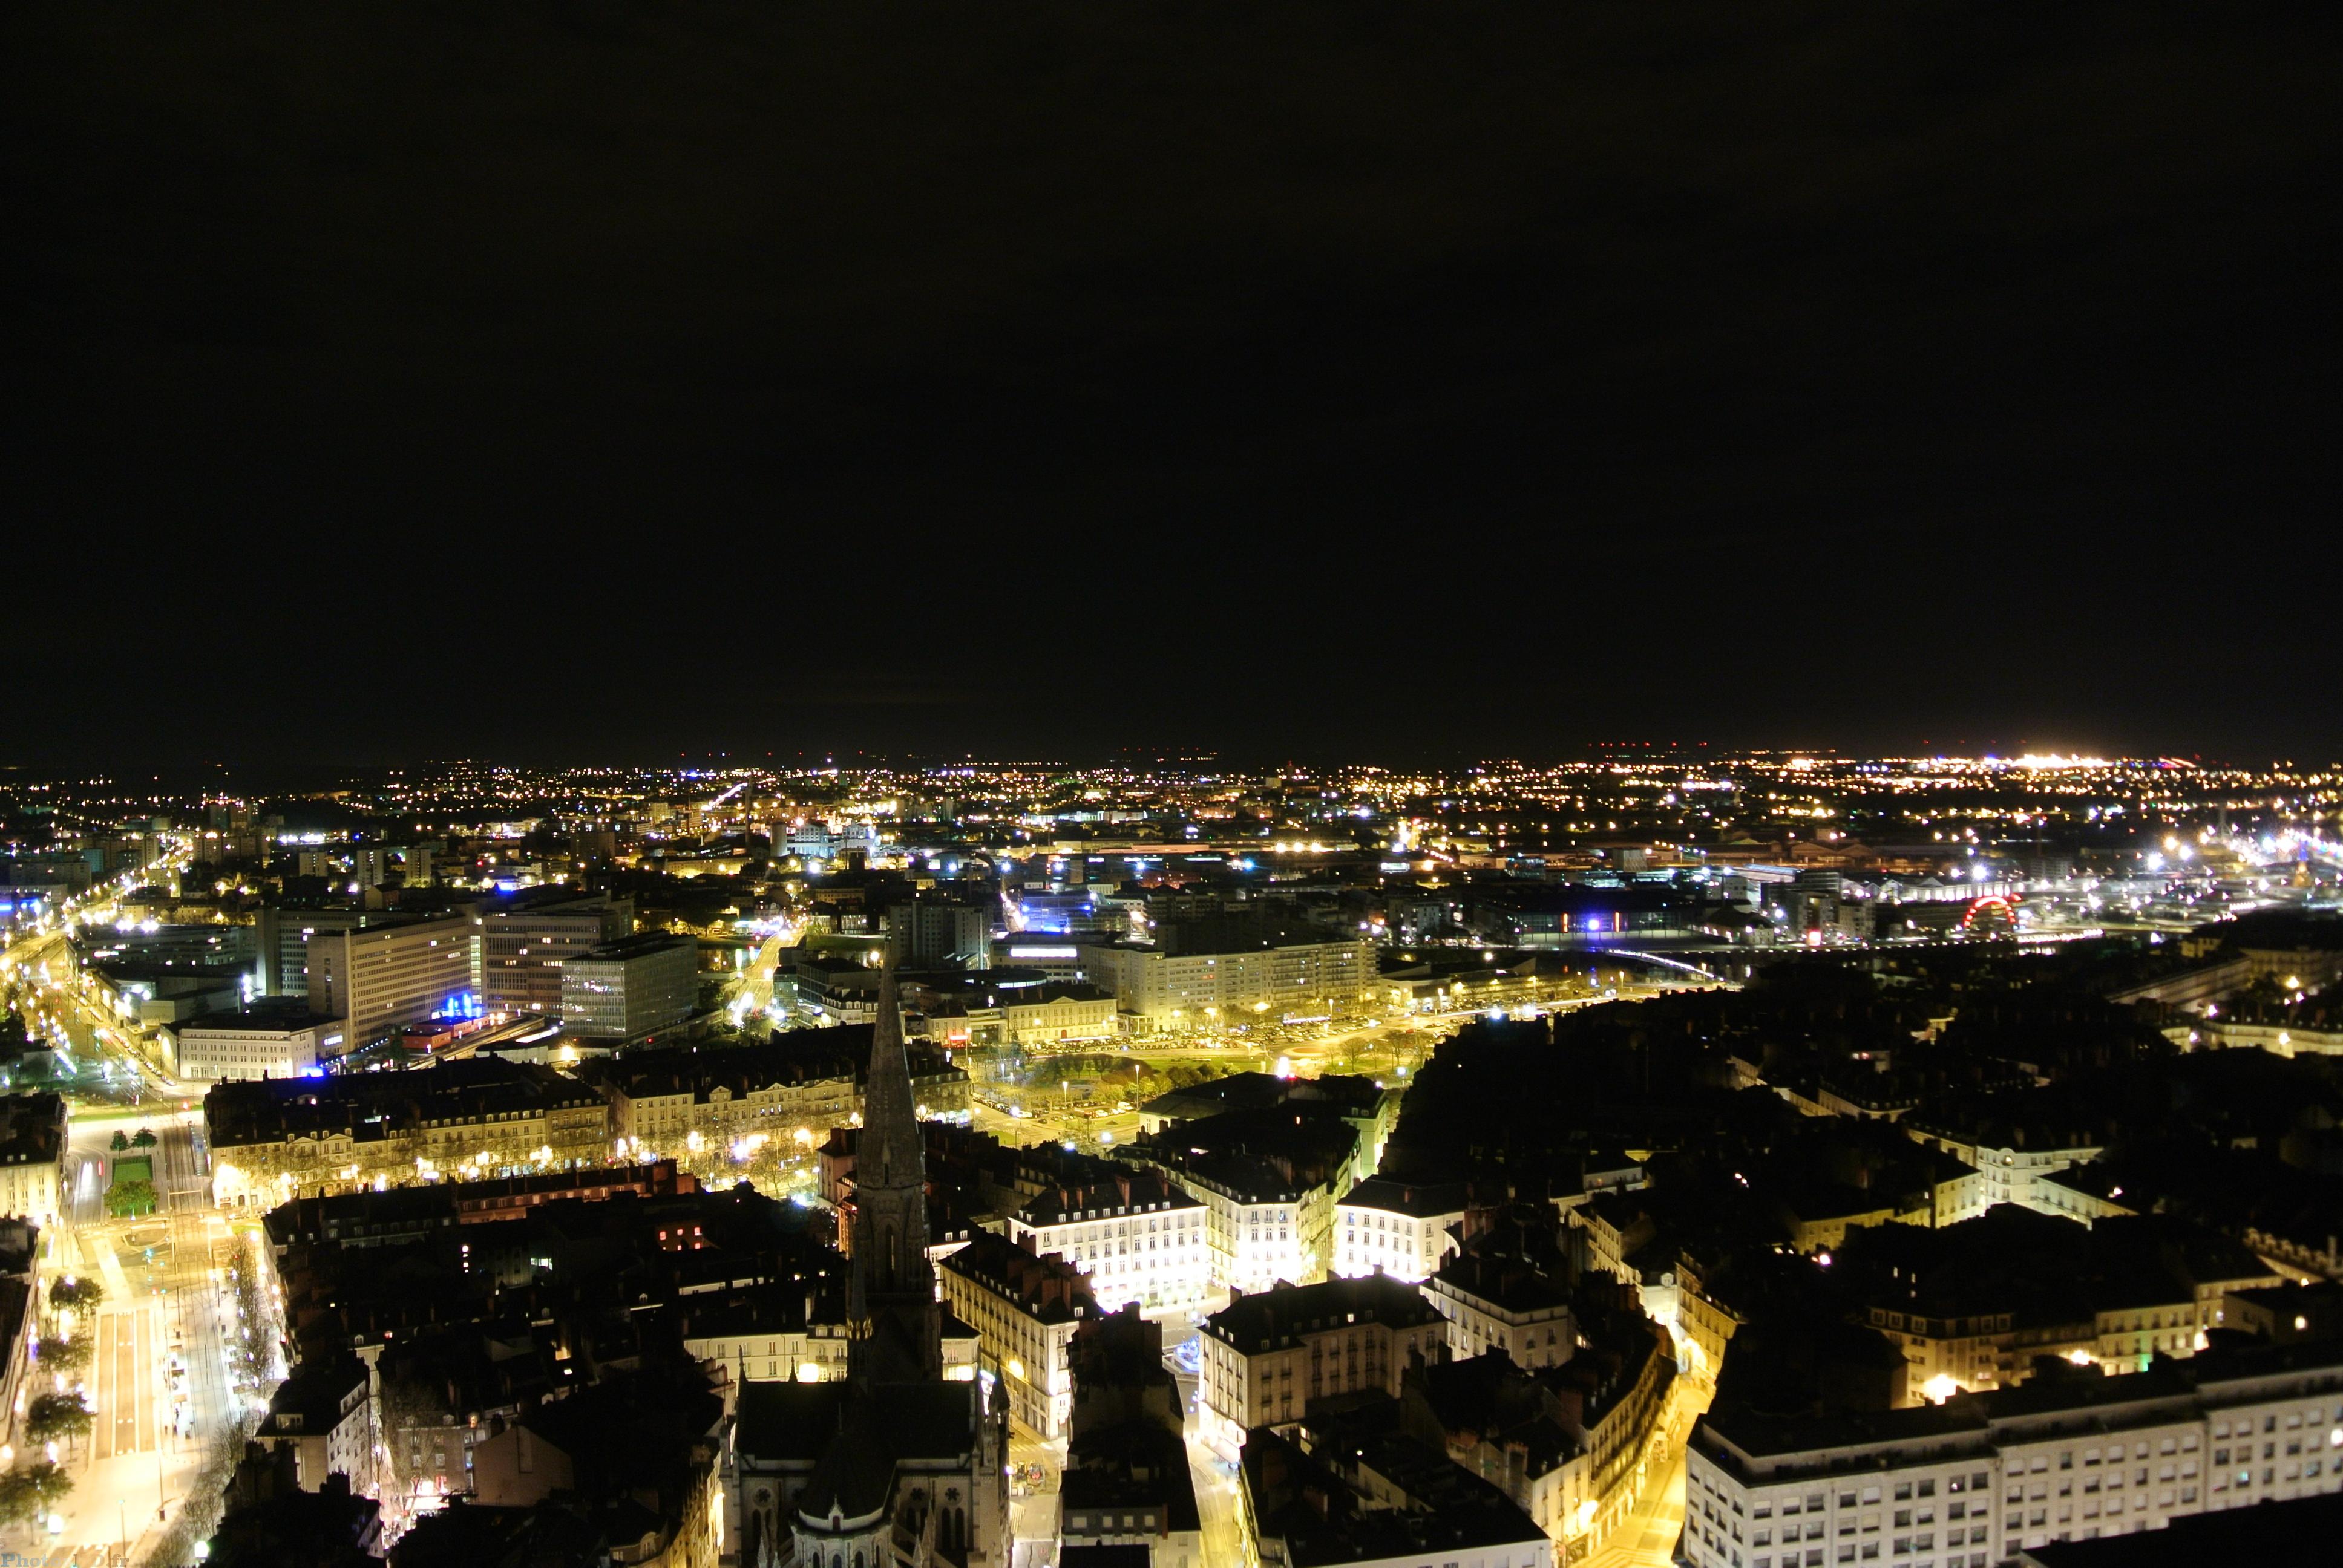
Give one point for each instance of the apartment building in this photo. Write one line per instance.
(1262, 1224)
(1975, 1305)
(1026, 1309)
(1396, 1228)
(32, 1157)
(1567, 1443)
(277, 1138)
(322, 1413)
(630, 989)
(1508, 1304)
(1136, 1233)
(679, 1099)
(2015, 1167)
(1267, 1355)
(1977, 1479)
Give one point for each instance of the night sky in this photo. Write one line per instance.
(1329, 378)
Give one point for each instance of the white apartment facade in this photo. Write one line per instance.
(1259, 1227)
(1971, 1482)
(1396, 1228)
(1140, 1238)
(2008, 1174)
(1268, 1354)
(1501, 1304)
(32, 1157)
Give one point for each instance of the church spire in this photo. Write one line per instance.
(895, 1331)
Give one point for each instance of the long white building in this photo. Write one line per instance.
(278, 1041)
(1155, 990)
(1973, 1481)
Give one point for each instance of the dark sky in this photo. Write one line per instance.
(1326, 377)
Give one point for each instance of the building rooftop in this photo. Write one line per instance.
(2304, 1530)
(1269, 1318)
(260, 1018)
(1417, 1200)
(32, 1129)
(635, 946)
(1046, 1288)
(380, 1105)
(1133, 1192)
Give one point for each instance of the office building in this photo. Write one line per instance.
(1289, 979)
(522, 943)
(266, 1041)
(283, 939)
(631, 989)
(396, 970)
(933, 931)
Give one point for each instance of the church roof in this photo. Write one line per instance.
(800, 1421)
(876, 1436)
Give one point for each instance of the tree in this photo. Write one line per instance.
(78, 1293)
(119, 1142)
(51, 1416)
(125, 1198)
(30, 1491)
(144, 1140)
(64, 1355)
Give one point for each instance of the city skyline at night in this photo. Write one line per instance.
(1316, 784)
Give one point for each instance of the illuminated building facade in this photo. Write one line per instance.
(382, 976)
(1026, 1309)
(260, 1042)
(282, 1137)
(1268, 1354)
(1975, 1480)
(519, 950)
(1396, 1228)
(32, 1157)
(631, 989)
(1140, 1238)
(1158, 989)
